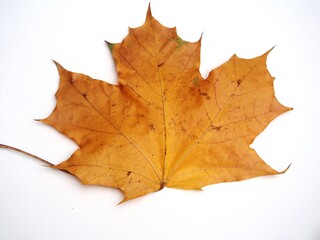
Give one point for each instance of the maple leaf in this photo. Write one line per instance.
(164, 125)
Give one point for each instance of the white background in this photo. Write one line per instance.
(40, 203)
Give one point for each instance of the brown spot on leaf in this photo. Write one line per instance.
(217, 128)
(151, 126)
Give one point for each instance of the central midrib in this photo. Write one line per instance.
(163, 180)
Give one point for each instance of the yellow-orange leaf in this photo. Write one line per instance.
(164, 125)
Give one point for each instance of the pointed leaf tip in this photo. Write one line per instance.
(267, 52)
(55, 62)
(58, 65)
(149, 12)
(200, 39)
(149, 7)
(110, 45)
(286, 169)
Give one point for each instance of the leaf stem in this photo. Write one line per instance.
(26, 153)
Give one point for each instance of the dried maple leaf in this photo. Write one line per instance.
(164, 125)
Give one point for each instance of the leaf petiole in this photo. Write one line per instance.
(26, 153)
